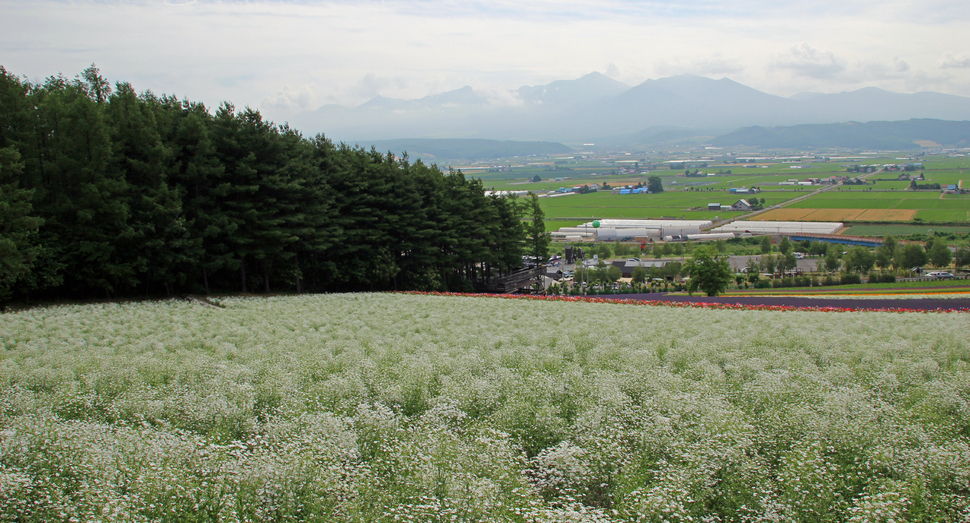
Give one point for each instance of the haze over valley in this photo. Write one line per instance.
(596, 108)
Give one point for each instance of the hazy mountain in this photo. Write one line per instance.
(432, 151)
(572, 92)
(902, 135)
(598, 109)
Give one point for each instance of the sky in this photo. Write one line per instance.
(287, 56)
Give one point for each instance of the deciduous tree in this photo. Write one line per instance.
(709, 271)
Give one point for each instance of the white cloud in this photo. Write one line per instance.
(501, 97)
(293, 55)
(955, 61)
(716, 65)
(289, 99)
(372, 85)
(804, 60)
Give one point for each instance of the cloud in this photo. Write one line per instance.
(372, 85)
(289, 99)
(805, 60)
(952, 61)
(716, 65)
(862, 72)
(501, 97)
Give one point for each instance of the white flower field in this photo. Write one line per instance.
(392, 407)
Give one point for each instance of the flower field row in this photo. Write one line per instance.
(405, 407)
(713, 305)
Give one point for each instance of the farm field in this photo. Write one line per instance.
(390, 407)
(876, 206)
(668, 203)
(901, 230)
(837, 214)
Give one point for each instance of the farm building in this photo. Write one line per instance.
(626, 267)
(779, 228)
(741, 205)
(616, 229)
(706, 237)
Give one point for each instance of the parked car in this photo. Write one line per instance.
(940, 275)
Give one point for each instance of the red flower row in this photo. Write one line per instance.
(688, 304)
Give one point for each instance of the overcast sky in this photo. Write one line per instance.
(289, 55)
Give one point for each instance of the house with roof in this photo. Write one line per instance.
(741, 205)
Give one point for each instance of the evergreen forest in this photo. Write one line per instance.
(105, 192)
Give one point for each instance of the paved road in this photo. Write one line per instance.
(908, 303)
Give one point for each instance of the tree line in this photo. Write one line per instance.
(105, 192)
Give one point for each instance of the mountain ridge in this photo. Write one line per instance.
(596, 108)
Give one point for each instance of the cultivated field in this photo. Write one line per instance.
(838, 215)
(683, 193)
(431, 408)
(886, 215)
(669, 203)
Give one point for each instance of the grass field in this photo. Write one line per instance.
(902, 230)
(391, 407)
(856, 202)
(936, 204)
(669, 204)
(946, 216)
(824, 201)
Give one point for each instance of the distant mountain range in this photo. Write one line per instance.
(904, 135)
(431, 150)
(596, 108)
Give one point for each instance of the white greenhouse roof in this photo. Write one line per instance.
(611, 223)
(763, 227)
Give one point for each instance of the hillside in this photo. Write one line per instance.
(871, 135)
(431, 150)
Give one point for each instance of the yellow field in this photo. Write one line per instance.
(834, 215)
(887, 215)
(838, 215)
(785, 215)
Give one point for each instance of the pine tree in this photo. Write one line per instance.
(18, 225)
(536, 230)
(83, 201)
(159, 247)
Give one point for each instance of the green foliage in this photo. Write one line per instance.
(613, 274)
(765, 245)
(127, 194)
(709, 271)
(655, 184)
(640, 274)
(784, 246)
(831, 260)
(769, 264)
(939, 254)
(18, 225)
(604, 251)
(961, 258)
(859, 259)
(849, 278)
(910, 255)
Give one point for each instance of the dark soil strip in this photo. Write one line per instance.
(920, 304)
